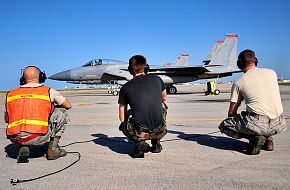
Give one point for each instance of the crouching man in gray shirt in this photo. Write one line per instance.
(263, 118)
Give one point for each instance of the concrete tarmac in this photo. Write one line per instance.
(195, 154)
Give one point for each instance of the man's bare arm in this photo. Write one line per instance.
(233, 109)
(122, 112)
(164, 96)
(66, 104)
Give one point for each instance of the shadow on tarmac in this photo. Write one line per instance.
(218, 142)
(183, 93)
(121, 145)
(209, 100)
(35, 151)
(116, 144)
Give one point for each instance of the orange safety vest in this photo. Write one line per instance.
(28, 110)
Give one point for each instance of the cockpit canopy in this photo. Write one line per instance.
(96, 62)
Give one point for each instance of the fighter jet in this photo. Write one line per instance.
(219, 63)
(105, 71)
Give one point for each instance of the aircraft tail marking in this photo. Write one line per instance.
(224, 52)
(182, 60)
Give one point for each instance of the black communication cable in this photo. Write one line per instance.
(16, 181)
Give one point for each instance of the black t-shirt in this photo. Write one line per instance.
(144, 95)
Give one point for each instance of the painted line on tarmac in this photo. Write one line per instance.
(86, 105)
(168, 119)
(194, 119)
(94, 118)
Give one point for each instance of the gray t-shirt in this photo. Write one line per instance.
(259, 88)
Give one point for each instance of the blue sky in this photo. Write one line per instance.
(56, 35)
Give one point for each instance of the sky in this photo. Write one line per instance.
(57, 35)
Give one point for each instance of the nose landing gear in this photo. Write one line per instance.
(112, 89)
(171, 90)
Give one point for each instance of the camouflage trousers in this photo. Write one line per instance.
(56, 126)
(137, 133)
(246, 124)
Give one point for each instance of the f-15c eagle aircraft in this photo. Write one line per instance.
(219, 63)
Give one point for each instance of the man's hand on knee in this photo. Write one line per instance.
(122, 126)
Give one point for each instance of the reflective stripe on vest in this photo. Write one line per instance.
(9, 99)
(28, 110)
(28, 122)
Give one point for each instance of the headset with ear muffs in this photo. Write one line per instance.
(41, 79)
(131, 70)
(241, 62)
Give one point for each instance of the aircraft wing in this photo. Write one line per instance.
(119, 74)
(212, 65)
(224, 73)
(186, 70)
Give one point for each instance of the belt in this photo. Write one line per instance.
(23, 140)
(263, 117)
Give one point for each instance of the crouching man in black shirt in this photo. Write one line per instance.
(146, 96)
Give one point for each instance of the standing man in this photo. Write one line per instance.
(32, 116)
(263, 116)
(146, 96)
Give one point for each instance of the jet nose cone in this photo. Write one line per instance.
(64, 76)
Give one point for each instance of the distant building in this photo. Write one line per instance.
(280, 81)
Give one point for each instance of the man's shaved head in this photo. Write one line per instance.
(31, 74)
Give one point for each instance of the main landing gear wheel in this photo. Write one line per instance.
(115, 92)
(217, 92)
(171, 89)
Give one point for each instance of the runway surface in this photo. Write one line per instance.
(195, 154)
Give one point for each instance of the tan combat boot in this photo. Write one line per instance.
(269, 144)
(54, 151)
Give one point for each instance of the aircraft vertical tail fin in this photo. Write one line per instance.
(213, 52)
(182, 60)
(224, 53)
